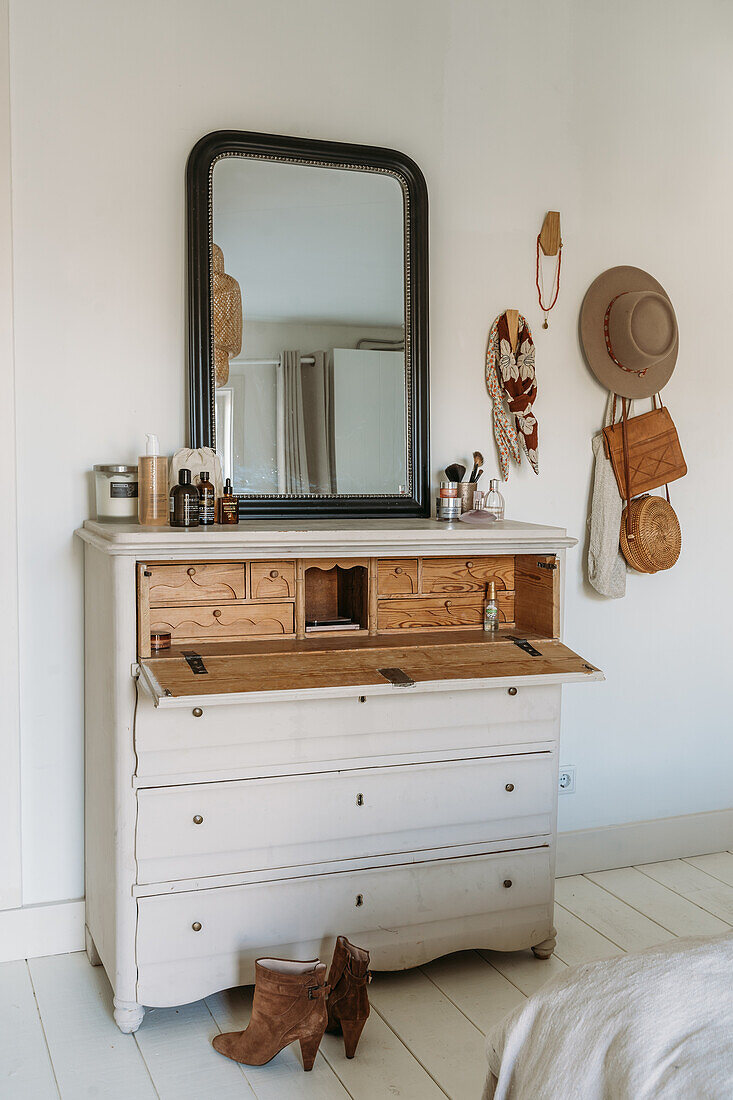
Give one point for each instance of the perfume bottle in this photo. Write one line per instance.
(494, 502)
(491, 608)
(184, 502)
(206, 500)
(228, 506)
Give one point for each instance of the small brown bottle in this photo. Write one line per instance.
(184, 502)
(228, 506)
(207, 513)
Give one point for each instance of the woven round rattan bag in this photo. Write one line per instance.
(654, 539)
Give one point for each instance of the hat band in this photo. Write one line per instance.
(629, 370)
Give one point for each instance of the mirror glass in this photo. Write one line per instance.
(311, 395)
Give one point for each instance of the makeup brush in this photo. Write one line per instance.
(455, 471)
(478, 460)
(478, 477)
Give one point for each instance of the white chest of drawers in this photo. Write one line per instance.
(291, 792)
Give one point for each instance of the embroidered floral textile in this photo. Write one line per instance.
(512, 386)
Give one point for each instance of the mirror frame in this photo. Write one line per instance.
(202, 412)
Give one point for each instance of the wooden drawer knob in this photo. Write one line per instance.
(511, 691)
(509, 787)
(398, 570)
(469, 565)
(196, 926)
(507, 883)
(360, 800)
(217, 614)
(197, 712)
(191, 571)
(273, 573)
(198, 819)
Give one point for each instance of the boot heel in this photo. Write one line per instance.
(352, 1030)
(309, 1049)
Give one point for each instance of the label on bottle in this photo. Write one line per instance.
(206, 511)
(491, 617)
(123, 488)
(229, 511)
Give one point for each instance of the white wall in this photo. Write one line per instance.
(618, 116)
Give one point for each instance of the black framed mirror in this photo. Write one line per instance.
(308, 324)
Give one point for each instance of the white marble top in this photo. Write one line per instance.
(325, 537)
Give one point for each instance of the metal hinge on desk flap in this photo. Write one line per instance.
(527, 647)
(547, 565)
(195, 662)
(396, 676)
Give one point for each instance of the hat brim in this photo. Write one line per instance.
(592, 314)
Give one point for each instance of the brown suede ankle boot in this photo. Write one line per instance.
(289, 1004)
(348, 1001)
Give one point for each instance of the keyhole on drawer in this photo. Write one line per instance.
(507, 883)
(362, 698)
(509, 787)
(360, 800)
(359, 900)
(191, 571)
(217, 614)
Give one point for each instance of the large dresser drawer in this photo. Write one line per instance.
(255, 738)
(225, 828)
(181, 584)
(212, 622)
(190, 944)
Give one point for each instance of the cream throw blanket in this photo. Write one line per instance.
(657, 1025)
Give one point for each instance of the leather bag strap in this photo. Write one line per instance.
(625, 438)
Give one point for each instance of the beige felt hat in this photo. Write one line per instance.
(628, 329)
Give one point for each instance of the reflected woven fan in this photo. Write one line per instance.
(226, 317)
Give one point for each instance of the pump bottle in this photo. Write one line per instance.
(152, 501)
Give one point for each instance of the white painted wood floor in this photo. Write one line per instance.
(424, 1039)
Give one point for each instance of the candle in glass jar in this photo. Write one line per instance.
(116, 492)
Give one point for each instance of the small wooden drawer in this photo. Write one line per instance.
(228, 621)
(424, 614)
(195, 583)
(397, 577)
(272, 580)
(223, 828)
(466, 574)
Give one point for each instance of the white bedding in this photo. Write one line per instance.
(657, 1025)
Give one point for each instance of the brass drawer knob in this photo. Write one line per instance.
(191, 571)
(360, 800)
(198, 819)
(197, 712)
(359, 900)
(217, 614)
(511, 691)
(273, 573)
(509, 787)
(196, 926)
(398, 570)
(507, 883)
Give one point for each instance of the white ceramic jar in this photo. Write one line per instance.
(116, 492)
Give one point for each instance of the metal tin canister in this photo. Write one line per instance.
(448, 507)
(448, 489)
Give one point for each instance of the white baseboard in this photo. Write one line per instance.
(41, 930)
(643, 842)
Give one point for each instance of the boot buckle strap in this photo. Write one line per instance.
(315, 991)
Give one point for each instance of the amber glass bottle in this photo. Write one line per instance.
(207, 497)
(184, 502)
(228, 506)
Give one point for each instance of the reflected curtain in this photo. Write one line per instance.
(309, 427)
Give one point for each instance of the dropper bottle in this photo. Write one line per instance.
(152, 476)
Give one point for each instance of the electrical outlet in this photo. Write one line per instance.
(566, 780)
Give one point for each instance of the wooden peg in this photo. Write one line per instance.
(550, 233)
(512, 320)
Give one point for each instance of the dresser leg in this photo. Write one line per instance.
(91, 950)
(544, 950)
(128, 1016)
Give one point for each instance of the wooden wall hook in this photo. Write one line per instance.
(550, 233)
(512, 320)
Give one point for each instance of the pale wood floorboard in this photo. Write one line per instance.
(424, 1040)
(90, 1055)
(695, 885)
(25, 1065)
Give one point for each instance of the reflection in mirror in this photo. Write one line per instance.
(309, 328)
